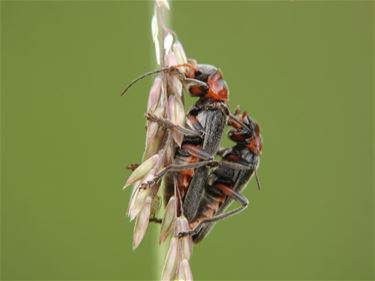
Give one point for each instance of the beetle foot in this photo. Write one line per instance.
(184, 234)
(132, 166)
(155, 220)
(148, 184)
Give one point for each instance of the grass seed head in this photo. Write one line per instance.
(142, 170)
(184, 271)
(154, 95)
(141, 223)
(171, 261)
(168, 219)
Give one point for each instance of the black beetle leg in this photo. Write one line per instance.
(177, 168)
(236, 166)
(197, 152)
(230, 193)
(190, 82)
(223, 150)
(169, 125)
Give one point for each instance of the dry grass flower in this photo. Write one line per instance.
(165, 101)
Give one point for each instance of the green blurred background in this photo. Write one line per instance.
(304, 70)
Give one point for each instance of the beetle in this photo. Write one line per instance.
(205, 124)
(208, 117)
(225, 182)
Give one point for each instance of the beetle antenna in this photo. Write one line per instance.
(178, 196)
(257, 179)
(243, 125)
(163, 69)
(180, 201)
(144, 76)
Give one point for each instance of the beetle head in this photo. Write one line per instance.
(213, 85)
(246, 133)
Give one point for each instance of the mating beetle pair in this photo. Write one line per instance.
(204, 187)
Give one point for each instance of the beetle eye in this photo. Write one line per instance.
(198, 73)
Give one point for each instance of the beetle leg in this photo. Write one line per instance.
(190, 82)
(169, 125)
(236, 166)
(194, 123)
(223, 150)
(242, 124)
(194, 151)
(231, 194)
(177, 168)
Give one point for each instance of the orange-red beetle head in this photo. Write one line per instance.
(248, 136)
(215, 89)
(255, 142)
